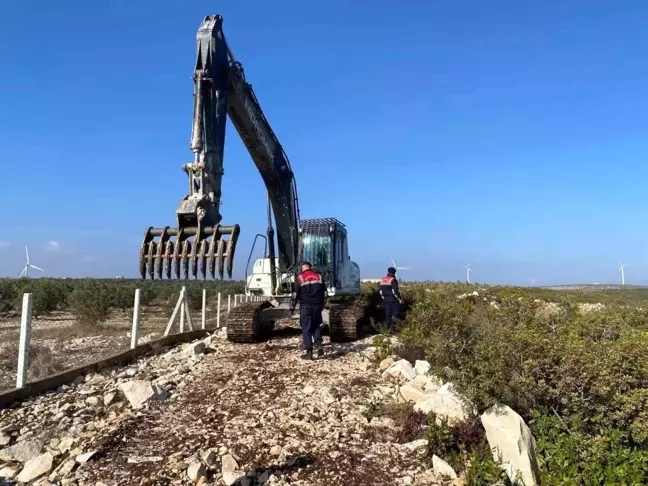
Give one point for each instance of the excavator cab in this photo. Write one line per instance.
(323, 243)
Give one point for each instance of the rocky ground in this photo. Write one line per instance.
(213, 412)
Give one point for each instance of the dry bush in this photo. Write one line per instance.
(408, 424)
(41, 360)
(410, 353)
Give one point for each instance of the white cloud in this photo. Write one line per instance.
(4, 244)
(52, 246)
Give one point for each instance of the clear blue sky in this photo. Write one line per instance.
(511, 135)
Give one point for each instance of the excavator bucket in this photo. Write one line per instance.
(184, 253)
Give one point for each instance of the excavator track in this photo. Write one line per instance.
(344, 321)
(183, 253)
(244, 323)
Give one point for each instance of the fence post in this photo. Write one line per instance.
(183, 307)
(229, 303)
(136, 320)
(186, 307)
(173, 316)
(25, 336)
(218, 311)
(204, 308)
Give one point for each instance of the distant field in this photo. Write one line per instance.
(80, 320)
(576, 293)
(594, 287)
(58, 294)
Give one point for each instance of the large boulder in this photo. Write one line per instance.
(21, 451)
(428, 382)
(386, 363)
(37, 467)
(442, 468)
(411, 392)
(422, 367)
(401, 370)
(445, 403)
(512, 443)
(139, 392)
(230, 470)
(193, 349)
(8, 473)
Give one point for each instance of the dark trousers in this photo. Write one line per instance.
(392, 312)
(310, 319)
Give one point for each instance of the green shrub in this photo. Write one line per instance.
(484, 471)
(545, 361)
(383, 348)
(55, 294)
(91, 302)
(569, 454)
(443, 441)
(8, 296)
(47, 296)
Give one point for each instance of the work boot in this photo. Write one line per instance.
(319, 350)
(308, 354)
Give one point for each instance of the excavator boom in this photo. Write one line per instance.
(198, 242)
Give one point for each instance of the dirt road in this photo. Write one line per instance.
(253, 413)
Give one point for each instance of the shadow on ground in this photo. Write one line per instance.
(290, 465)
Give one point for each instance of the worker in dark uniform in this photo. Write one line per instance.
(310, 293)
(391, 297)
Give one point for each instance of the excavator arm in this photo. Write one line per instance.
(220, 89)
(271, 161)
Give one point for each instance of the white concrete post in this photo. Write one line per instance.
(218, 311)
(136, 320)
(183, 308)
(235, 297)
(188, 316)
(204, 308)
(25, 336)
(229, 303)
(173, 316)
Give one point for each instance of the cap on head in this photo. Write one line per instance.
(391, 271)
(306, 264)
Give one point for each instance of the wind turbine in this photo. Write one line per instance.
(25, 272)
(468, 271)
(621, 269)
(396, 267)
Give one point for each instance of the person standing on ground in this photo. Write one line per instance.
(310, 293)
(391, 297)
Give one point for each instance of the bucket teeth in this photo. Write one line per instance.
(187, 253)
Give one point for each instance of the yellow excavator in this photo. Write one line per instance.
(200, 243)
